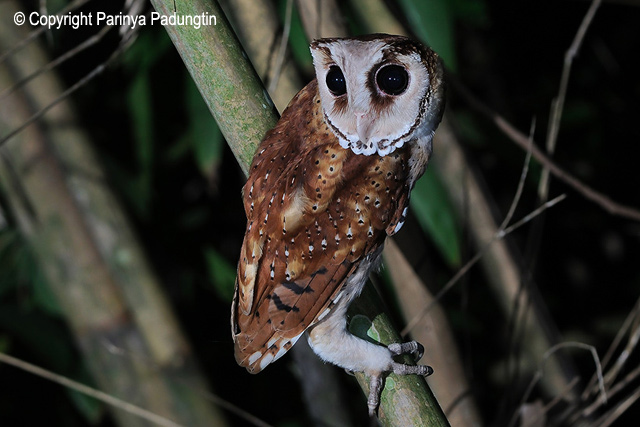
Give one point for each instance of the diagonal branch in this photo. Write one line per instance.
(89, 391)
(522, 140)
(557, 105)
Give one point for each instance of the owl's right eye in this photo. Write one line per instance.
(335, 81)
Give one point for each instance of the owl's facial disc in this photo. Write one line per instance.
(373, 93)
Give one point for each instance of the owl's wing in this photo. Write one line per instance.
(284, 314)
(298, 251)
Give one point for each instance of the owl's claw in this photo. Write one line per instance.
(411, 347)
(350, 372)
(414, 348)
(402, 369)
(376, 383)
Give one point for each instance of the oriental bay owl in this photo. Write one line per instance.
(327, 185)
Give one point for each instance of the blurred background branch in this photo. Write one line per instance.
(91, 260)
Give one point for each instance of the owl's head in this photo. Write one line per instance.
(378, 92)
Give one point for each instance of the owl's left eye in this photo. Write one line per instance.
(335, 81)
(392, 79)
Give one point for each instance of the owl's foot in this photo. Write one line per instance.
(376, 384)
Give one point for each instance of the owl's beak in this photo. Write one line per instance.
(364, 126)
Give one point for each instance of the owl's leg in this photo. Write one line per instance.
(333, 343)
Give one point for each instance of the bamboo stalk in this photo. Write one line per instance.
(224, 76)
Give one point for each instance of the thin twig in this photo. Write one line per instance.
(523, 177)
(557, 106)
(632, 317)
(612, 392)
(561, 396)
(213, 398)
(59, 60)
(92, 392)
(522, 140)
(521, 306)
(553, 402)
(500, 234)
(477, 256)
(516, 136)
(282, 50)
(566, 71)
(534, 213)
(124, 44)
(225, 404)
(540, 372)
(624, 355)
(607, 419)
(35, 33)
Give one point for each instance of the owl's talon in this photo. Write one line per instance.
(376, 383)
(350, 372)
(402, 369)
(411, 347)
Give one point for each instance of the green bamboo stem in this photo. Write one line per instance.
(238, 101)
(225, 77)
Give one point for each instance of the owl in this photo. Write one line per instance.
(327, 185)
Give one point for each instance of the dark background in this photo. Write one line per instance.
(583, 260)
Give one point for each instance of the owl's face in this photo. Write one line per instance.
(378, 91)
